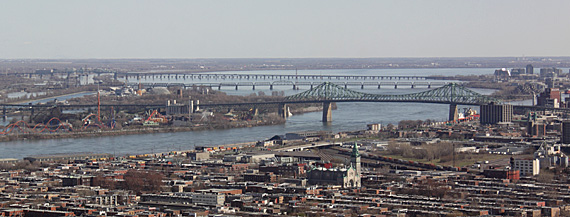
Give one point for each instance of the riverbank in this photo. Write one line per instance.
(141, 130)
(50, 97)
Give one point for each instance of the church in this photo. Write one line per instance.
(348, 177)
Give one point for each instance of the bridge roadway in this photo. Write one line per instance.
(297, 84)
(282, 108)
(197, 76)
(281, 105)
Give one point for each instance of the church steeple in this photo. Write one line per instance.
(355, 158)
(355, 152)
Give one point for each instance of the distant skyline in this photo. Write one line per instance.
(104, 29)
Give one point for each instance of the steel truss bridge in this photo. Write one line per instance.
(328, 92)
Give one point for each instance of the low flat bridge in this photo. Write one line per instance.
(203, 76)
(296, 84)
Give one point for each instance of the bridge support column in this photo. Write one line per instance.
(236, 87)
(219, 87)
(4, 113)
(190, 108)
(327, 115)
(453, 116)
(362, 86)
(282, 110)
(31, 113)
(379, 86)
(395, 86)
(271, 87)
(254, 87)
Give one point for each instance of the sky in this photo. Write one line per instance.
(105, 29)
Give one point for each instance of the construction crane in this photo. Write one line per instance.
(155, 118)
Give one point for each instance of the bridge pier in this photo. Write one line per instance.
(190, 108)
(271, 87)
(4, 116)
(327, 115)
(236, 87)
(282, 110)
(395, 86)
(453, 116)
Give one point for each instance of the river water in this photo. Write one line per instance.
(347, 117)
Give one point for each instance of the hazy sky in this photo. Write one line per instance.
(283, 28)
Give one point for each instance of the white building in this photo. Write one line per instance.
(209, 199)
(527, 167)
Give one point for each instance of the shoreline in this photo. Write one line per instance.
(133, 131)
(50, 97)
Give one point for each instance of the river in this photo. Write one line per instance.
(347, 117)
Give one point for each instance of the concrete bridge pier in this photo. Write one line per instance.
(4, 116)
(236, 87)
(327, 109)
(271, 87)
(453, 116)
(254, 87)
(282, 110)
(395, 86)
(190, 107)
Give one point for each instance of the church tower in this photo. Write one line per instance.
(355, 159)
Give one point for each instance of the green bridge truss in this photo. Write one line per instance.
(449, 94)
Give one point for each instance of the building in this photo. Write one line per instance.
(565, 137)
(179, 109)
(199, 156)
(529, 69)
(348, 177)
(210, 199)
(494, 114)
(502, 174)
(551, 155)
(374, 127)
(550, 72)
(502, 74)
(214, 199)
(266, 177)
(527, 167)
(517, 72)
(67, 157)
(549, 98)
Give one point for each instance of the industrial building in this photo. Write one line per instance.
(68, 157)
